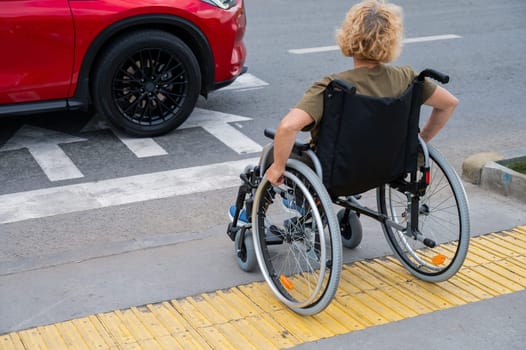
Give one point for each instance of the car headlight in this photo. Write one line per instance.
(224, 4)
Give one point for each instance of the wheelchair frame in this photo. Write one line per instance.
(421, 259)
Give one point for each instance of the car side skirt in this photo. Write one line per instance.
(37, 107)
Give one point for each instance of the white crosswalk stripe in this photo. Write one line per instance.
(106, 193)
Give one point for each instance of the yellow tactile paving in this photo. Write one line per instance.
(370, 293)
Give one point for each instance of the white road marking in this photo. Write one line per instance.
(42, 144)
(141, 147)
(406, 41)
(431, 38)
(54, 162)
(314, 49)
(20, 206)
(217, 124)
(246, 81)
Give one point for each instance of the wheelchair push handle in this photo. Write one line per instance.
(433, 74)
(270, 133)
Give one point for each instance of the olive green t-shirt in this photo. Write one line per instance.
(381, 81)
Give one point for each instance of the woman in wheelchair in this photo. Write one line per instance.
(371, 34)
(367, 116)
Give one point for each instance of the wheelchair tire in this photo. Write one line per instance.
(443, 218)
(246, 256)
(297, 239)
(351, 230)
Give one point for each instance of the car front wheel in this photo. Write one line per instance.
(147, 83)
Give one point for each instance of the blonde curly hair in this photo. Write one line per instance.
(372, 30)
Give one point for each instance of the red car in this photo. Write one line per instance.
(141, 63)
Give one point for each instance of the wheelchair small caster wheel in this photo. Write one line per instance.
(351, 229)
(245, 253)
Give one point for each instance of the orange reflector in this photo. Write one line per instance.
(286, 282)
(438, 259)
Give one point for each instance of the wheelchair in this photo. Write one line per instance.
(295, 234)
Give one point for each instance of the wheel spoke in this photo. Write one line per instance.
(442, 217)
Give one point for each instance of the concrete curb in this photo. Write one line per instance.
(490, 172)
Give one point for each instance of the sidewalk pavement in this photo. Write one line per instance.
(77, 289)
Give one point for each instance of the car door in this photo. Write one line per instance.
(37, 42)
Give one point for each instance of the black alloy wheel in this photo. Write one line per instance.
(147, 83)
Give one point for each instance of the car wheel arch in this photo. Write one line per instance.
(180, 27)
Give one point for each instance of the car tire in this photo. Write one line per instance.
(146, 82)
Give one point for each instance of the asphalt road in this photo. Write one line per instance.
(485, 60)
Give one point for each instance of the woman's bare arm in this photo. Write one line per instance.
(286, 133)
(443, 103)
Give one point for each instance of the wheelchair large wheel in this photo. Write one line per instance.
(443, 218)
(297, 239)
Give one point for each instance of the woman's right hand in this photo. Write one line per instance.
(275, 174)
